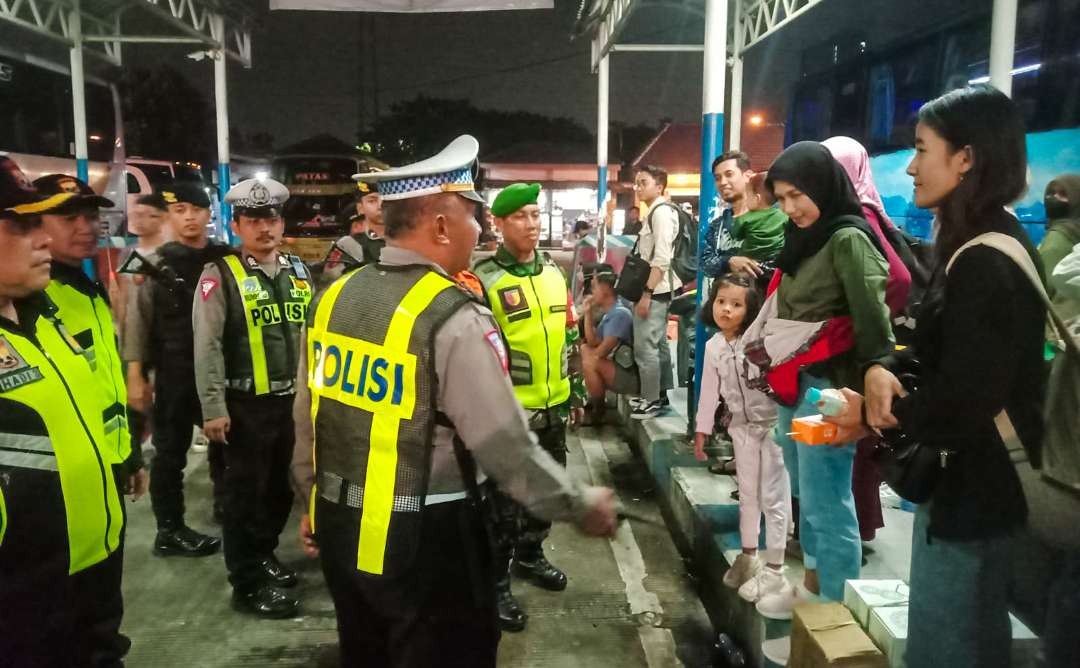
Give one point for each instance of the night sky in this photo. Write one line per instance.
(313, 72)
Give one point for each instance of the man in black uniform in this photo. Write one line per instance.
(159, 334)
(248, 313)
(364, 243)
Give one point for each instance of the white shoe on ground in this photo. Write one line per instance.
(766, 582)
(780, 604)
(746, 566)
(777, 650)
(648, 410)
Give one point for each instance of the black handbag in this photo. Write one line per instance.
(911, 468)
(633, 277)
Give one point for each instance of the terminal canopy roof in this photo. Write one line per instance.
(410, 6)
(107, 24)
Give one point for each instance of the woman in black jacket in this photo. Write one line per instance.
(979, 351)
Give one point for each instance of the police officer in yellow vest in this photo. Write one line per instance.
(74, 227)
(529, 298)
(247, 315)
(61, 514)
(407, 382)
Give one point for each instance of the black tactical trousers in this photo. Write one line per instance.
(257, 493)
(176, 412)
(52, 619)
(439, 612)
(516, 533)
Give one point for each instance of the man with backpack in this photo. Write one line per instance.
(656, 246)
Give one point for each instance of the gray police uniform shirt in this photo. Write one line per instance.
(347, 245)
(208, 315)
(476, 394)
(139, 317)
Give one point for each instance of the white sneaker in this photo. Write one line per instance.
(777, 650)
(746, 567)
(766, 582)
(635, 402)
(780, 604)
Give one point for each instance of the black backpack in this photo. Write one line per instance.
(684, 253)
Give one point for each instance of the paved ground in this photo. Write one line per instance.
(629, 603)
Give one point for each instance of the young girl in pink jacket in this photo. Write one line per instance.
(727, 383)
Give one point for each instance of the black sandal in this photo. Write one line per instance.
(725, 466)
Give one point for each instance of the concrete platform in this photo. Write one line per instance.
(703, 519)
(631, 602)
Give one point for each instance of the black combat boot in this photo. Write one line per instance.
(178, 540)
(535, 568)
(511, 616)
(265, 601)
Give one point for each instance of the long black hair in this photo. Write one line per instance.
(986, 120)
(753, 299)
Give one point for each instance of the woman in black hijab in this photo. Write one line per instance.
(832, 267)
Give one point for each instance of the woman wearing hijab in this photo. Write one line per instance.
(832, 269)
(979, 345)
(866, 480)
(1062, 202)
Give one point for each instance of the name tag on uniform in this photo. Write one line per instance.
(252, 290)
(14, 371)
(363, 375)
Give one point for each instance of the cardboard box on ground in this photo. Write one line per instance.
(824, 635)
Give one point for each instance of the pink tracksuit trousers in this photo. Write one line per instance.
(764, 487)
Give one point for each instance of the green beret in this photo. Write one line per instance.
(513, 197)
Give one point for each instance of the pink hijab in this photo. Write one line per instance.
(856, 162)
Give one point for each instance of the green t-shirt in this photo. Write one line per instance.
(761, 233)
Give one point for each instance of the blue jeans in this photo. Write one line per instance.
(821, 480)
(958, 614)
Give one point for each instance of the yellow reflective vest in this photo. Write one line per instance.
(531, 312)
(86, 314)
(51, 433)
(262, 330)
(371, 371)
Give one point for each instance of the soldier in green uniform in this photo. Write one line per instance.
(61, 513)
(406, 382)
(530, 300)
(247, 315)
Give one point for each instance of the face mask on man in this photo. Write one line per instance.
(1056, 208)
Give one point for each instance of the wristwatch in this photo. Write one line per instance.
(647, 290)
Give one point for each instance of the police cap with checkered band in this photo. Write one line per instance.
(449, 171)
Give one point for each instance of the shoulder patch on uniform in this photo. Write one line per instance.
(206, 287)
(494, 340)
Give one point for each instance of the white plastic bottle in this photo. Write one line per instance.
(831, 402)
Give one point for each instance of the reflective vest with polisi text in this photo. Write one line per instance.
(371, 372)
(53, 451)
(263, 323)
(89, 319)
(531, 312)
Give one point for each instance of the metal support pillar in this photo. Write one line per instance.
(78, 101)
(221, 107)
(1003, 45)
(712, 137)
(602, 136)
(735, 113)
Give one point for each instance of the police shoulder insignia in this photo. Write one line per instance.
(494, 340)
(206, 287)
(14, 371)
(513, 299)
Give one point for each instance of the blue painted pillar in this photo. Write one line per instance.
(602, 136)
(712, 137)
(225, 210)
(221, 106)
